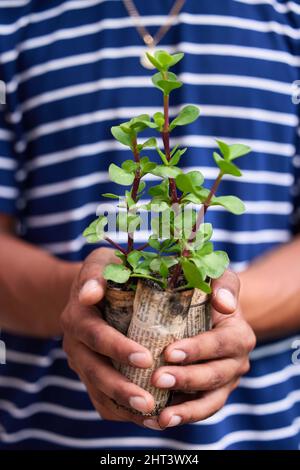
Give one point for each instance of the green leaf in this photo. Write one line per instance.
(206, 231)
(162, 60)
(116, 273)
(159, 120)
(141, 122)
(193, 276)
(238, 150)
(162, 156)
(205, 249)
(157, 206)
(154, 243)
(215, 263)
(177, 58)
(160, 191)
(231, 203)
(166, 171)
(146, 165)
(187, 115)
(142, 186)
(230, 152)
(190, 182)
(166, 85)
(95, 231)
(133, 258)
(129, 201)
(121, 136)
(154, 61)
(149, 143)
(176, 156)
(111, 195)
(129, 166)
(127, 222)
(226, 166)
(120, 176)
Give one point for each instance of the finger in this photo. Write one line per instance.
(236, 339)
(110, 410)
(89, 328)
(195, 410)
(99, 373)
(208, 376)
(90, 286)
(225, 292)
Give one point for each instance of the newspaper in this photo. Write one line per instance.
(158, 319)
(199, 316)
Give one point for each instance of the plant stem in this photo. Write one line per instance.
(166, 141)
(205, 206)
(177, 271)
(135, 188)
(115, 245)
(142, 247)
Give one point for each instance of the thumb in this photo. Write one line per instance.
(91, 285)
(91, 292)
(225, 292)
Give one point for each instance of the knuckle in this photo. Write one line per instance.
(119, 350)
(90, 374)
(186, 411)
(94, 338)
(220, 345)
(185, 380)
(246, 339)
(216, 379)
(251, 340)
(119, 392)
(245, 367)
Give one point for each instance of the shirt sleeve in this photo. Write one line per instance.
(8, 168)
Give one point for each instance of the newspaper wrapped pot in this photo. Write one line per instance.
(158, 319)
(118, 308)
(199, 316)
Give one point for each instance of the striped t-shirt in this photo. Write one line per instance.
(72, 71)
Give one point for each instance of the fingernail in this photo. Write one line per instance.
(166, 381)
(139, 359)
(227, 298)
(152, 424)
(177, 355)
(91, 287)
(174, 421)
(138, 403)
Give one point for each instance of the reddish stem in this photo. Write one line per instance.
(142, 247)
(135, 188)
(166, 141)
(177, 271)
(115, 245)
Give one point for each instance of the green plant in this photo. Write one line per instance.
(182, 255)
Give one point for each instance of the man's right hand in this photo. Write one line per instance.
(90, 344)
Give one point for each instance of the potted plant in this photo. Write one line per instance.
(159, 292)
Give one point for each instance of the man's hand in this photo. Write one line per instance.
(91, 343)
(225, 351)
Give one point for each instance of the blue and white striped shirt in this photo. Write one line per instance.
(72, 71)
